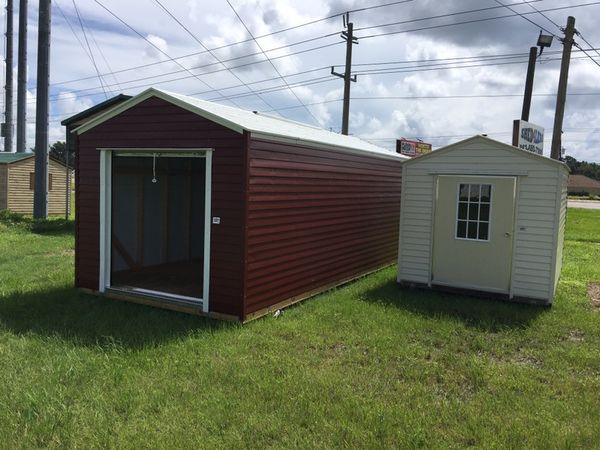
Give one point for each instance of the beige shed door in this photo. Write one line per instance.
(473, 232)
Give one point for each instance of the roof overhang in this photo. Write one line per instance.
(96, 109)
(229, 124)
(145, 95)
(489, 141)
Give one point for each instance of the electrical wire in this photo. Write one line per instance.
(87, 42)
(466, 22)
(489, 60)
(281, 47)
(592, 48)
(586, 53)
(302, 42)
(170, 14)
(85, 49)
(526, 18)
(272, 64)
(543, 15)
(157, 47)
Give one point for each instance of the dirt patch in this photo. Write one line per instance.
(575, 336)
(594, 294)
(525, 360)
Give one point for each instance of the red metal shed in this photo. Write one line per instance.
(204, 208)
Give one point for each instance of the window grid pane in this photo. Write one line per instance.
(473, 211)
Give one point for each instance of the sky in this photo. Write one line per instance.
(439, 71)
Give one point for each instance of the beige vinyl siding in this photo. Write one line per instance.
(562, 219)
(415, 225)
(56, 197)
(20, 194)
(534, 234)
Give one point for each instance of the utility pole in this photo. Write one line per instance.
(561, 96)
(40, 194)
(22, 79)
(8, 89)
(350, 40)
(529, 84)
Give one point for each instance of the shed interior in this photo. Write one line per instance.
(157, 226)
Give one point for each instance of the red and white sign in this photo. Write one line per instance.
(412, 148)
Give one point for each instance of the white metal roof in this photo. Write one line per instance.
(257, 124)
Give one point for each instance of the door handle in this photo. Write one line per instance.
(507, 234)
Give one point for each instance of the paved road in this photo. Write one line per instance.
(587, 204)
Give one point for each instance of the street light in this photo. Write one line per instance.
(544, 40)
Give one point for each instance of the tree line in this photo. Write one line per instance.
(589, 169)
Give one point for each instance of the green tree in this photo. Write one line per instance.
(58, 150)
(588, 169)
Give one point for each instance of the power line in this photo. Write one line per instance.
(474, 58)
(85, 50)
(543, 15)
(257, 37)
(303, 41)
(60, 97)
(439, 16)
(320, 80)
(157, 47)
(168, 12)
(87, 42)
(590, 45)
(485, 19)
(104, 57)
(434, 97)
(271, 62)
(526, 18)
(285, 46)
(483, 58)
(586, 53)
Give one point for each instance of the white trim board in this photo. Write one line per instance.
(481, 173)
(106, 221)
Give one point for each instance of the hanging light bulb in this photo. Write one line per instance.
(154, 179)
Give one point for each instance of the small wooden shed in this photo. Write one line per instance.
(483, 216)
(17, 182)
(200, 207)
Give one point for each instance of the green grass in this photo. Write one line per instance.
(367, 365)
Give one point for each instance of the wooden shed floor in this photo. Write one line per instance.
(180, 278)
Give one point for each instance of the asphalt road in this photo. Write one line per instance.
(587, 204)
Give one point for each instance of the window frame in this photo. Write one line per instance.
(457, 209)
(32, 181)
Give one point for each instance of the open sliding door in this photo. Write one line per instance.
(156, 221)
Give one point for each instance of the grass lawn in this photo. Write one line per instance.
(367, 365)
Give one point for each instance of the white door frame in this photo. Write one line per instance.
(106, 211)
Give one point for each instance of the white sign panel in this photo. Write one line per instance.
(530, 137)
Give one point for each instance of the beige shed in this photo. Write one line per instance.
(17, 181)
(481, 216)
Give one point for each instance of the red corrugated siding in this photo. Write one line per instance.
(316, 217)
(156, 123)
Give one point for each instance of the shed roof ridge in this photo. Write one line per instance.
(240, 120)
(491, 141)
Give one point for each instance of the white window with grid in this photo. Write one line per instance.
(473, 211)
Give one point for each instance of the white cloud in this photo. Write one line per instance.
(215, 25)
